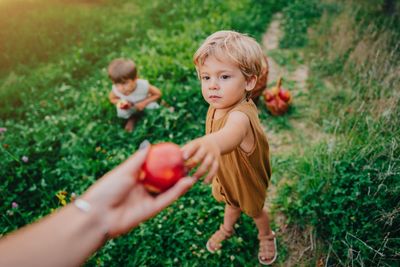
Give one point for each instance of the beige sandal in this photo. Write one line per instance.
(267, 242)
(220, 235)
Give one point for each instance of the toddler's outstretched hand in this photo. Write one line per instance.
(205, 153)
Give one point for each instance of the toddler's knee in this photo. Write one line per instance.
(233, 208)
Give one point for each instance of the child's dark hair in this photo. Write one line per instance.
(120, 70)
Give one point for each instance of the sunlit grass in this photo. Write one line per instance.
(38, 31)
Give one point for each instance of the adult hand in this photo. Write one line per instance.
(123, 202)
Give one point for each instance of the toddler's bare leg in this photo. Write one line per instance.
(130, 123)
(231, 215)
(225, 230)
(268, 251)
(262, 223)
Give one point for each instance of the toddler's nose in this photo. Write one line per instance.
(213, 84)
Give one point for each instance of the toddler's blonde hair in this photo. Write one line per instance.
(242, 49)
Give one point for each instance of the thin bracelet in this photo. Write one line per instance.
(85, 206)
(82, 205)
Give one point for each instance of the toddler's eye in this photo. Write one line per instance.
(224, 77)
(205, 78)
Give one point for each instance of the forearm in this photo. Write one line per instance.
(113, 98)
(224, 141)
(232, 134)
(150, 99)
(66, 238)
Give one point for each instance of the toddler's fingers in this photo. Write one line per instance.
(189, 149)
(204, 167)
(212, 172)
(199, 156)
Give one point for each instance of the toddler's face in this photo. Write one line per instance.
(126, 87)
(222, 83)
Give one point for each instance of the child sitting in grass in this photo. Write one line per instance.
(235, 148)
(130, 94)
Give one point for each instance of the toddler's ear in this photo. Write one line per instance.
(251, 83)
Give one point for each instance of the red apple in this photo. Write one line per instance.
(268, 96)
(123, 104)
(277, 99)
(164, 166)
(277, 106)
(284, 95)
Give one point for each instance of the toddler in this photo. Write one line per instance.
(235, 148)
(130, 94)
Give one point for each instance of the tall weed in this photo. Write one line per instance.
(298, 16)
(348, 187)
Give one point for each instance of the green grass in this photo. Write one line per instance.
(55, 108)
(53, 102)
(347, 187)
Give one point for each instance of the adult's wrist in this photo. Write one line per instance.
(95, 216)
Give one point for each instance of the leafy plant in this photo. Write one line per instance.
(62, 133)
(347, 186)
(298, 16)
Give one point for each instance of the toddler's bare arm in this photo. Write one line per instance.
(205, 151)
(154, 95)
(113, 98)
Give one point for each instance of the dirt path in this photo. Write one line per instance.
(299, 133)
(285, 140)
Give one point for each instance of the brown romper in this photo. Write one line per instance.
(242, 178)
